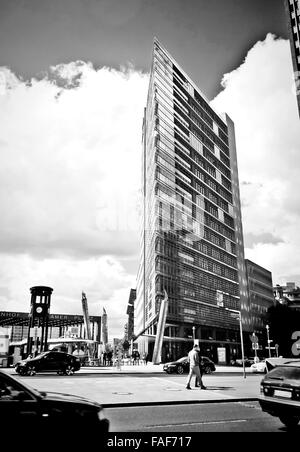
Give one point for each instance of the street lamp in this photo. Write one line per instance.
(241, 334)
(193, 328)
(267, 328)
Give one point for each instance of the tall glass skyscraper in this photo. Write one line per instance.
(292, 8)
(192, 239)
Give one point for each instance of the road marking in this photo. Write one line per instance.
(249, 405)
(207, 391)
(199, 423)
(169, 381)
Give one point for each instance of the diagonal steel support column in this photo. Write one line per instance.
(156, 359)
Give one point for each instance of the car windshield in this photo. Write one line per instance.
(285, 372)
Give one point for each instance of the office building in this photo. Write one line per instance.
(292, 8)
(260, 293)
(192, 238)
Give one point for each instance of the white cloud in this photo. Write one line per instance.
(69, 185)
(260, 98)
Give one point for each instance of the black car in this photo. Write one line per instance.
(280, 393)
(182, 365)
(51, 361)
(22, 406)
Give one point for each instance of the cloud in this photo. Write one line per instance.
(70, 164)
(260, 98)
(250, 240)
(70, 146)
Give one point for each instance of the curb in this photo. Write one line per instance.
(178, 402)
(221, 374)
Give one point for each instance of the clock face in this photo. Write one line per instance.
(39, 309)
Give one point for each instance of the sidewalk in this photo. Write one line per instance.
(227, 384)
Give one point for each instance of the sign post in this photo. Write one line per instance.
(269, 340)
(254, 340)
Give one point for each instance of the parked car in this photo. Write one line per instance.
(280, 393)
(259, 367)
(182, 365)
(51, 361)
(22, 406)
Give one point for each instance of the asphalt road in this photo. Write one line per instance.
(175, 409)
(211, 417)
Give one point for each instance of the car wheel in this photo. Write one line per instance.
(69, 370)
(30, 371)
(207, 370)
(168, 371)
(180, 370)
(289, 421)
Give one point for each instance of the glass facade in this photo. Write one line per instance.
(192, 239)
(293, 19)
(260, 291)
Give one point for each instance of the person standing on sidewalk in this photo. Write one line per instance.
(193, 358)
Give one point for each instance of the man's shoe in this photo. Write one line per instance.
(188, 387)
(203, 387)
(197, 386)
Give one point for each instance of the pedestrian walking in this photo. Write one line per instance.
(201, 366)
(136, 357)
(193, 358)
(109, 358)
(147, 358)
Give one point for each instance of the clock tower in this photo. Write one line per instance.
(38, 319)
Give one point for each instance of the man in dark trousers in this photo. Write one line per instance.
(201, 366)
(194, 362)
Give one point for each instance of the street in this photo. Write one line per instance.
(209, 417)
(159, 402)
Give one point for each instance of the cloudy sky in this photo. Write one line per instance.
(73, 83)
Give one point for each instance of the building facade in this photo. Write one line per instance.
(292, 8)
(260, 293)
(192, 238)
